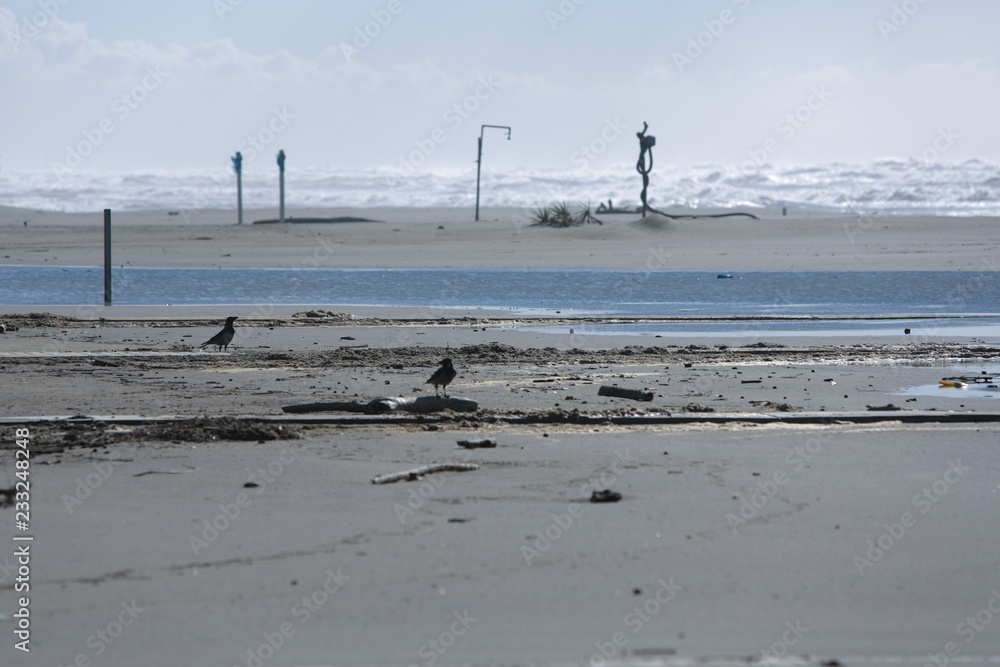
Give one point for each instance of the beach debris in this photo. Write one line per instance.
(646, 144)
(698, 407)
(723, 276)
(771, 405)
(315, 314)
(165, 472)
(619, 392)
(886, 407)
(342, 218)
(952, 384)
(417, 473)
(605, 496)
(418, 404)
(970, 379)
(750, 381)
(560, 215)
(478, 444)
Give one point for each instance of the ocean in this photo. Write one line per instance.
(566, 292)
(967, 188)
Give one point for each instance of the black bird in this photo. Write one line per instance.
(443, 376)
(224, 337)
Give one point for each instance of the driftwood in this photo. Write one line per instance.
(478, 444)
(605, 496)
(417, 473)
(635, 394)
(377, 406)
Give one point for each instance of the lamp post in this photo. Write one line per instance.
(479, 159)
(238, 168)
(281, 185)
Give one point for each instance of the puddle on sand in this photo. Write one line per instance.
(981, 380)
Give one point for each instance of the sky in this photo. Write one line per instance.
(408, 84)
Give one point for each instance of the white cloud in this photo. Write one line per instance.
(349, 114)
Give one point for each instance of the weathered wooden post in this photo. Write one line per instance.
(281, 184)
(646, 144)
(107, 257)
(479, 159)
(238, 168)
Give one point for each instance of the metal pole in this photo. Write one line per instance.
(107, 257)
(479, 169)
(239, 198)
(238, 168)
(281, 184)
(479, 159)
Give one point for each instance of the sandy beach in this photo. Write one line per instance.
(793, 501)
(504, 238)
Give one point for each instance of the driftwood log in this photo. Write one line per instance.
(417, 473)
(478, 444)
(634, 394)
(377, 406)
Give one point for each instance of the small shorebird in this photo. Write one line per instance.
(443, 376)
(224, 337)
